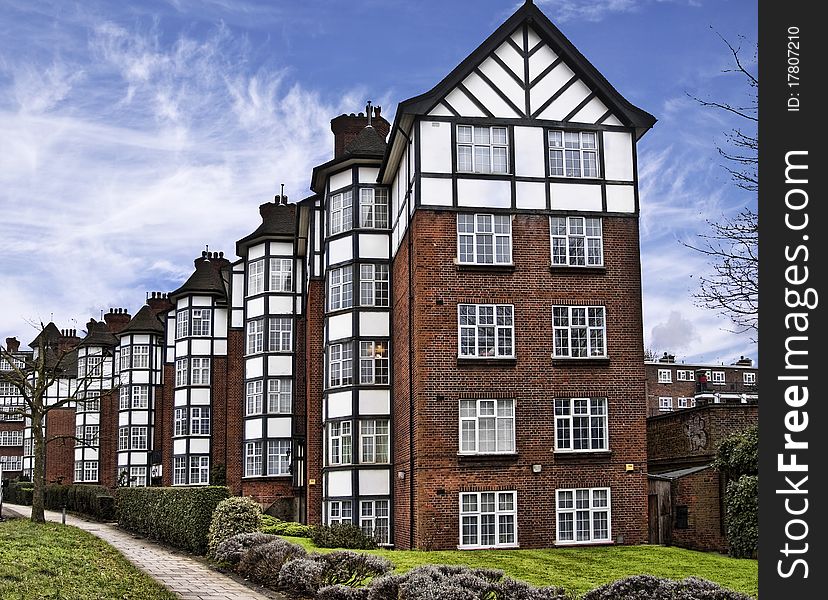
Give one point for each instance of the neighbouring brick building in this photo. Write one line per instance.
(442, 344)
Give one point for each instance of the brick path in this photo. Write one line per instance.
(186, 577)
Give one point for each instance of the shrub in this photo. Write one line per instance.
(342, 536)
(262, 563)
(738, 454)
(352, 569)
(647, 587)
(279, 527)
(301, 577)
(512, 589)
(742, 516)
(233, 548)
(19, 492)
(341, 592)
(232, 516)
(95, 501)
(177, 516)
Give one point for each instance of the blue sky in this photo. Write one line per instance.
(132, 134)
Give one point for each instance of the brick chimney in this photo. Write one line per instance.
(216, 259)
(12, 344)
(667, 358)
(116, 319)
(346, 127)
(68, 340)
(743, 362)
(159, 302)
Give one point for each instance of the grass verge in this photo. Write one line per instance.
(582, 569)
(54, 561)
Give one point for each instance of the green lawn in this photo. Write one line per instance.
(582, 569)
(54, 561)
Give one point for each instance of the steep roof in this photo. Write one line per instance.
(206, 279)
(144, 321)
(98, 334)
(278, 220)
(50, 333)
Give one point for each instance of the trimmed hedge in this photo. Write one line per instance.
(19, 492)
(177, 516)
(95, 501)
(232, 516)
(342, 535)
(276, 526)
(742, 516)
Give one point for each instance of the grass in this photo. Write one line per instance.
(582, 569)
(55, 561)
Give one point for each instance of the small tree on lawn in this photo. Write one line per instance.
(49, 367)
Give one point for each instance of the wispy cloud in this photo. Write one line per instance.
(597, 10)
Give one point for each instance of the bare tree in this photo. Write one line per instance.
(731, 244)
(46, 381)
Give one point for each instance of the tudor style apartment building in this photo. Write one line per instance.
(443, 344)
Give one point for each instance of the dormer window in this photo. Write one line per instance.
(482, 149)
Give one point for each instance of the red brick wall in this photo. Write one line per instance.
(700, 492)
(533, 381)
(229, 450)
(220, 443)
(314, 375)
(108, 457)
(11, 450)
(691, 437)
(164, 423)
(60, 445)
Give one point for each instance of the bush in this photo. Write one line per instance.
(177, 516)
(95, 501)
(279, 527)
(647, 587)
(19, 492)
(342, 536)
(341, 592)
(262, 563)
(301, 577)
(738, 454)
(352, 569)
(232, 516)
(742, 516)
(233, 548)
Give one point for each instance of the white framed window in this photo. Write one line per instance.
(254, 397)
(684, 375)
(11, 463)
(8, 389)
(138, 438)
(665, 403)
(199, 470)
(91, 435)
(200, 371)
(579, 331)
(278, 457)
(9, 415)
(373, 363)
(749, 378)
(486, 330)
(374, 519)
(200, 320)
(181, 373)
(340, 364)
(665, 376)
(487, 426)
(482, 149)
(717, 377)
(180, 470)
(280, 335)
(138, 476)
(180, 422)
(685, 402)
(484, 239)
(140, 396)
(86, 470)
(373, 285)
(182, 324)
(375, 441)
(583, 515)
(94, 366)
(339, 443)
(580, 424)
(341, 212)
(125, 358)
(340, 511)
(255, 336)
(488, 519)
(199, 420)
(281, 275)
(140, 357)
(11, 438)
(123, 438)
(280, 396)
(341, 288)
(373, 207)
(253, 459)
(573, 153)
(255, 277)
(577, 241)
(89, 401)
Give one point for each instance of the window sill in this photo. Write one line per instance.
(499, 457)
(466, 361)
(499, 547)
(585, 361)
(486, 268)
(580, 269)
(254, 477)
(581, 453)
(587, 543)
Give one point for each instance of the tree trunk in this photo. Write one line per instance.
(39, 467)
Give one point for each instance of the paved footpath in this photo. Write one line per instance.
(186, 577)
